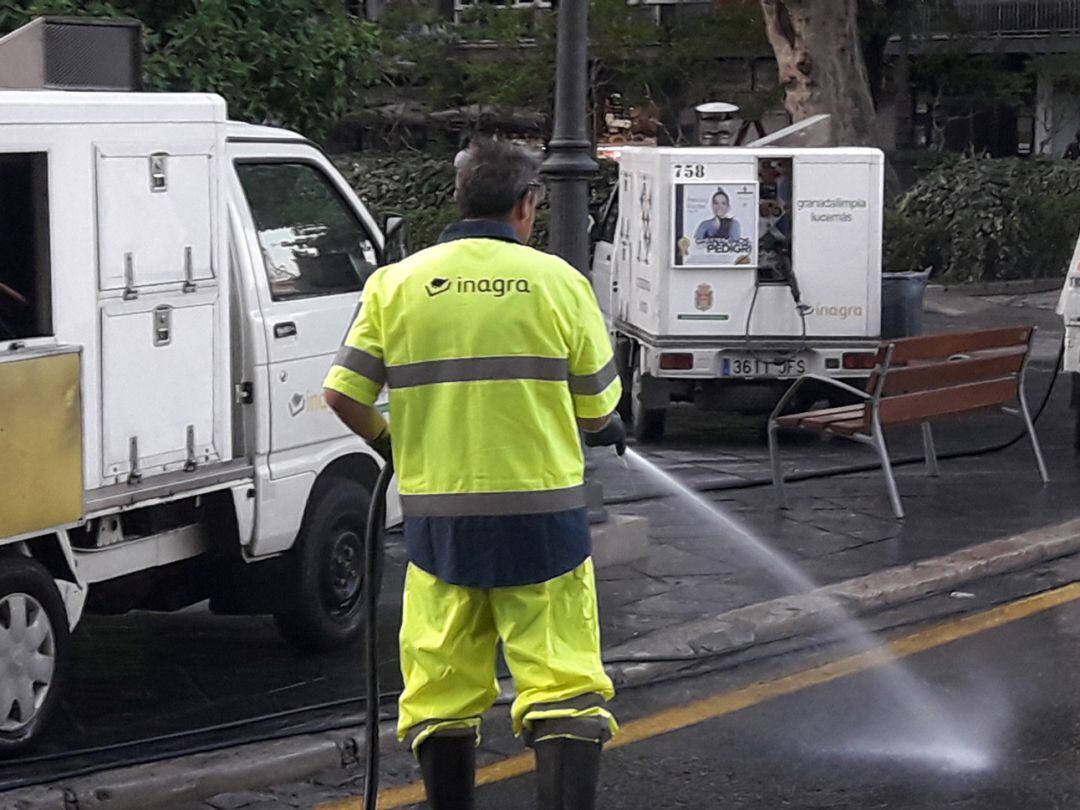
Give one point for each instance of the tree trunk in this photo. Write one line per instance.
(905, 125)
(821, 64)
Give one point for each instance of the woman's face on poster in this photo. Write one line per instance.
(720, 206)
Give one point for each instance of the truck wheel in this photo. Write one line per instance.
(34, 637)
(326, 608)
(646, 424)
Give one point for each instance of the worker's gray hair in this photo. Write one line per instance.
(492, 176)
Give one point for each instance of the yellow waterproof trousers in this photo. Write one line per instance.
(550, 637)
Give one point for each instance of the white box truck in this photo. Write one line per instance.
(726, 271)
(1068, 307)
(173, 289)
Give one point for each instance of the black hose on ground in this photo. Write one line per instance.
(373, 541)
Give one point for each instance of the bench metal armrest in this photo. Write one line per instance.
(820, 378)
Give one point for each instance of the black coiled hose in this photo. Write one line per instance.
(373, 541)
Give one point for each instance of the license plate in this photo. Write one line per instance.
(750, 366)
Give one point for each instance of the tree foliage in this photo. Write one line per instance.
(297, 63)
(304, 63)
(506, 57)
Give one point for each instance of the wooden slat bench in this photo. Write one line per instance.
(917, 381)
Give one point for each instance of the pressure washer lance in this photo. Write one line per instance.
(373, 542)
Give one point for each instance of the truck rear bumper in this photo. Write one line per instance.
(759, 360)
(760, 357)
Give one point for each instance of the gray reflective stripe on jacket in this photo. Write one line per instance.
(477, 369)
(493, 503)
(509, 367)
(593, 383)
(359, 361)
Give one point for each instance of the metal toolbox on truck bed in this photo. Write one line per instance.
(162, 346)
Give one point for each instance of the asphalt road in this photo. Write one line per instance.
(986, 722)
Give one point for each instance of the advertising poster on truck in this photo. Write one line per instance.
(715, 224)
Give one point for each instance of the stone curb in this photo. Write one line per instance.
(199, 776)
(185, 778)
(249, 767)
(1028, 286)
(789, 616)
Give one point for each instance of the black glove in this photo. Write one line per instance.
(613, 434)
(381, 444)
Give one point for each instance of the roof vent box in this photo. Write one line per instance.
(73, 53)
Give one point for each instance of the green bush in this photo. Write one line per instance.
(417, 186)
(420, 187)
(987, 220)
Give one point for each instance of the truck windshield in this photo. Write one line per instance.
(312, 242)
(25, 300)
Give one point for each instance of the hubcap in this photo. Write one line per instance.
(27, 659)
(346, 573)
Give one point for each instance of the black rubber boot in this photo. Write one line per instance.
(449, 768)
(567, 773)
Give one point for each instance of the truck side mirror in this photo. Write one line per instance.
(396, 232)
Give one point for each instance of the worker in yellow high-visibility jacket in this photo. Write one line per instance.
(495, 355)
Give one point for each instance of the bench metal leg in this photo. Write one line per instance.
(1026, 414)
(928, 450)
(878, 440)
(774, 461)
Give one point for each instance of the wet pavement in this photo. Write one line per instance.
(988, 721)
(145, 675)
(1004, 734)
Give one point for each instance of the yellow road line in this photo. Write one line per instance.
(698, 711)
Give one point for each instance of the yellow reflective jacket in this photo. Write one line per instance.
(490, 350)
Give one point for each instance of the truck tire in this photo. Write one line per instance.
(325, 606)
(646, 424)
(34, 648)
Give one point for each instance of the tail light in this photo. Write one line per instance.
(677, 362)
(860, 360)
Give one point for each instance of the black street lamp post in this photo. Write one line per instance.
(569, 164)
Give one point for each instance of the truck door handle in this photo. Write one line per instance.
(284, 330)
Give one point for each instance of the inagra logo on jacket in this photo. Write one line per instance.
(496, 287)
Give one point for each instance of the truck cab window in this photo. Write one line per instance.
(608, 223)
(25, 283)
(312, 242)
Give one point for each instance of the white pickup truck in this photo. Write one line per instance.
(173, 288)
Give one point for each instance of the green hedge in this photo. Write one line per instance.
(987, 220)
(420, 187)
(414, 185)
